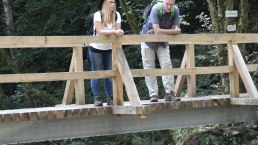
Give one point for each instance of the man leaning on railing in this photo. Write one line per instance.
(167, 22)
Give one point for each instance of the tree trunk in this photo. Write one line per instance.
(2, 94)
(9, 23)
(243, 22)
(214, 15)
(220, 22)
(8, 17)
(131, 19)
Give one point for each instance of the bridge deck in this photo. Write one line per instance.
(77, 121)
(69, 111)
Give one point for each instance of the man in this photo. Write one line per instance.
(166, 23)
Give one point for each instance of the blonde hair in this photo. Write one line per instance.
(107, 18)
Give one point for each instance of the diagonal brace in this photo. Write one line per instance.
(127, 79)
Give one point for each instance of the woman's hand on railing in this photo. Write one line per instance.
(119, 32)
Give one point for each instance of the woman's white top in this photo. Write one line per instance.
(104, 46)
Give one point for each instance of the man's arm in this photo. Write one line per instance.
(157, 30)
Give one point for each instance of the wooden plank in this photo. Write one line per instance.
(92, 111)
(69, 87)
(117, 80)
(181, 78)
(215, 103)
(191, 79)
(16, 117)
(161, 106)
(72, 111)
(33, 116)
(208, 103)
(68, 113)
(108, 110)
(127, 78)
(252, 67)
(233, 76)
(244, 73)
(175, 105)
(100, 111)
(198, 103)
(244, 101)
(7, 117)
(180, 71)
(188, 104)
(76, 112)
(25, 116)
(51, 114)
(60, 114)
(130, 110)
(181, 104)
(146, 109)
(154, 106)
(57, 76)
(168, 105)
(81, 41)
(43, 115)
(79, 83)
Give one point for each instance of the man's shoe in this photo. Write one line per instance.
(110, 101)
(97, 101)
(154, 98)
(171, 97)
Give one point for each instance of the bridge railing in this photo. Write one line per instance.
(123, 76)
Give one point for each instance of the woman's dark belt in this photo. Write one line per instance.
(99, 51)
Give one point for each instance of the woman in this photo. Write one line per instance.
(107, 21)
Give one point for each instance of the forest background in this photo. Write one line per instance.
(69, 18)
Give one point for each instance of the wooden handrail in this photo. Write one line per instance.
(82, 41)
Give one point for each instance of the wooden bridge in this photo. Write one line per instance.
(82, 119)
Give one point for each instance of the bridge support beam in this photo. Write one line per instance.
(35, 131)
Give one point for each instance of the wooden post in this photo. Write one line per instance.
(117, 80)
(69, 87)
(79, 83)
(233, 76)
(191, 79)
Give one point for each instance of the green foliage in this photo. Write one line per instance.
(51, 17)
(206, 20)
(217, 135)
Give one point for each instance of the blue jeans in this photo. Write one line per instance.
(101, 61)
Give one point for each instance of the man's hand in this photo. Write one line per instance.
(151, 31)
(175, 29)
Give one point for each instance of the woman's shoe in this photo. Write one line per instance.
(97, 101)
